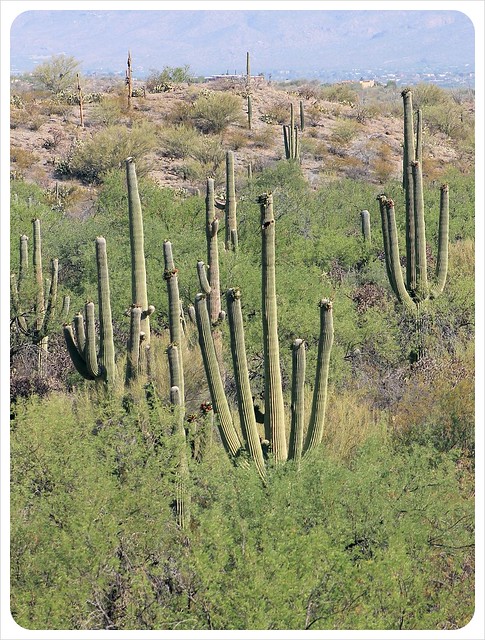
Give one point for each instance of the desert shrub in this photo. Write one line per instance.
(450, 119)
(178, 141)
(180, 114)
(262, 139)
(110, 110)
(344, 132)
(429, 94)
(174, 75)
(91, 158)
(213, 113)
(22, 158)
(342, 93)
(278, 113)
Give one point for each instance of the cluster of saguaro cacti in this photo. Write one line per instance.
(35, 321)
(290, 137)
(274, 415)
(416, 288)
(229, 205)
(91, 363)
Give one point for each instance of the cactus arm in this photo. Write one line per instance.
(52, 297)
(408, 157)
(365, 225)
(295, 446)
(317, 417)
(419, 136)
(292, 132)
(231, 220)
(203, 281)
(133, 351)
(77, 360)
(241, 373)
(106, 341)
(90, 353)
(37, 262)
(78, 323)
(443, 238)
(387, 244)
(174, 365)
(420, 231)
(175, 329)
(286, 140)
(182, 495)
(212, 228)
(229, 436)
(24, 259)
(394, 258)
(138, 268)
(274, 417)
(302, 116)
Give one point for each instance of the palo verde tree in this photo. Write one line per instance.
(58, 73)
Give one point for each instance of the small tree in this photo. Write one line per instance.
(58, 73)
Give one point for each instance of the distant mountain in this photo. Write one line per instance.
(216, 41)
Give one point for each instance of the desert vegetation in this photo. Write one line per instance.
(242, 354)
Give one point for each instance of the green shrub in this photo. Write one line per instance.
(179, 141)
(175, 75)
(91, 158)
(214, 112)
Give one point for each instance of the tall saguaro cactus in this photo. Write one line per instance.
(34, 320)
(138, 269)
(175, 327)
(129, 79)
(91, 363)
(290, 137)
(229, 205)
(211, 230)
(274, 415)
(416, 288)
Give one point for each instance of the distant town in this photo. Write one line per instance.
(454, 77)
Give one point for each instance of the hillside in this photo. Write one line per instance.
(258, 410)
(349, 132)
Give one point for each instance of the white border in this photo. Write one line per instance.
(10, 9)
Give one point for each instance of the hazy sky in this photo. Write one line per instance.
(214, 37)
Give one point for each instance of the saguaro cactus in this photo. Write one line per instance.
(365, 225)
(274, 415)
(81, 343)
(290, 137)
(175, 328)
(35, 321)
(229, 205)
(211, 230)
(138, 270)
(416, 289)
(81, 101)
(129, 79)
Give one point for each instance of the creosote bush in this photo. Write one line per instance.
(91, 158)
